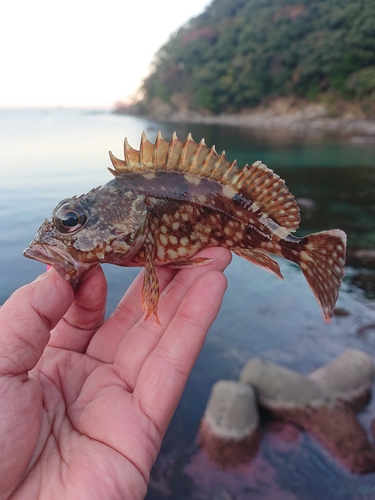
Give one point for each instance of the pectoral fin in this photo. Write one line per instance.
(150, 289)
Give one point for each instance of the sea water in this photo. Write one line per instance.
(48, 155)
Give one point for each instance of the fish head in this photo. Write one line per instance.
(100, 226)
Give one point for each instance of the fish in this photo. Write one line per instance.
(170, 199)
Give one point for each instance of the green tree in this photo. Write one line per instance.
(239, 52)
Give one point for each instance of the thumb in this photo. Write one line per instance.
(26, 319)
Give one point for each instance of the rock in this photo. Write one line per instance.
(229, 428)
(367, 331)
(365, 255)
(314, 110)
(366, 282)
(221, 492)
(362, 257)
(181, 102)
(307, 204)
(349, 377)
(158, 109)
(341, 312)
(280, 387)
(362, 139)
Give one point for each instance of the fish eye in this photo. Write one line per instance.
(70, 218)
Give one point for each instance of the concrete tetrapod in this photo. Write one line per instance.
(322, 403)
(348, 377)
(229, 427)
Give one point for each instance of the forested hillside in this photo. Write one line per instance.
(241, 52)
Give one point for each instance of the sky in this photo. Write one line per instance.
(82, 53)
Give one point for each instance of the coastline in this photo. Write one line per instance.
(289, 115)
(359, 130)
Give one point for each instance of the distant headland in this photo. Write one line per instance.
(305, 66)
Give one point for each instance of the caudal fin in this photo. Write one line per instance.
(322, 262)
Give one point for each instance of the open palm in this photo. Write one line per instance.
(85, 403)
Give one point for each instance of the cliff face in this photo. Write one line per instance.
(240, 53)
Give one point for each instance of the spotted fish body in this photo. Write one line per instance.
(171, 199)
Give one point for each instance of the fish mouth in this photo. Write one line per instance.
(64, 263)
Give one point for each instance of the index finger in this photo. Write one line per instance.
(26, 319)
(163, 376)
(127, 334)
(76, 328)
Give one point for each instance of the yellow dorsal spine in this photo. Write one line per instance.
(256, 182)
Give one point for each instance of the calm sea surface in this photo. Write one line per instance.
(48, 155)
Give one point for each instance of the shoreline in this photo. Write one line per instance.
(282, 114)
(296, 124)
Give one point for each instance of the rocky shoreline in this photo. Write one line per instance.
(358, 130)
(295, 116)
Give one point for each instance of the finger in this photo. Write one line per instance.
(129, 311)
(141, 337)
(163, 377)
(27, 318)
(84, 316)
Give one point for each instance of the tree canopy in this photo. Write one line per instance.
(240, 52)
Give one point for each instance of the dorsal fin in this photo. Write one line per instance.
(256, 182)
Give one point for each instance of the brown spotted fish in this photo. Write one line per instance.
(171, 199)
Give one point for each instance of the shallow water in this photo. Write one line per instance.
(48, 155)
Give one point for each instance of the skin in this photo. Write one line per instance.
(85, 403)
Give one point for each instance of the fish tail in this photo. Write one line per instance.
(322, 261)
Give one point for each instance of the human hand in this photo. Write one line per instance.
(84, 408)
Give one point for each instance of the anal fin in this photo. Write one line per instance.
(188, 263)
(260, 259)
